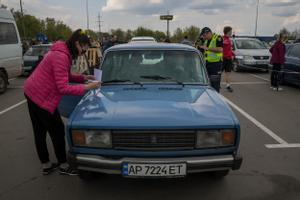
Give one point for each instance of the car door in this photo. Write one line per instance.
(11, 50)
(292, 62)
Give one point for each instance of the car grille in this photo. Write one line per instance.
(154, 140)
(261, 57)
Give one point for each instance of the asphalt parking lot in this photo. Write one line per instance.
(270, 145)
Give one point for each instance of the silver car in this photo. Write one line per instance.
(250, 54)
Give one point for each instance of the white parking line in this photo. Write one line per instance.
(282, 143)
(12, 107)
(246, 83)
(280, 146)
(259, 77)
(12, 79)
(257, 123)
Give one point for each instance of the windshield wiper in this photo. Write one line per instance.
(158, 77)
(122, 81)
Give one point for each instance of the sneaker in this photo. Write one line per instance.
(48, 170)
(279, 89)
(229, 89)
(68, 171)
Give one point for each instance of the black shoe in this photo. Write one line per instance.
(68, 171)
(48, 170)
(229, 89)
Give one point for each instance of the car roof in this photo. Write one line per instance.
(42, 45)
(5, 14)
(244, 38)
(152, 46)
(143, 38)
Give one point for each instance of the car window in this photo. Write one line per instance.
(37, 51)
(250, 44)
(8, 34)
(182, 66)
(294, 51)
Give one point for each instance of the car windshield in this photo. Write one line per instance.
(37, 51)
(250, 44)
(154, 66)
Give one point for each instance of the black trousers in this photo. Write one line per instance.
(43, 122)
(275, 74)
(214, 71)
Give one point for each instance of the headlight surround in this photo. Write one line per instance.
(215, 138)
(92, 138)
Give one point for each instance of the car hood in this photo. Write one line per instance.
(252, 52)
(30, 58)
(152, 107)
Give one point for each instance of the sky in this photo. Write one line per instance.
(130, 14)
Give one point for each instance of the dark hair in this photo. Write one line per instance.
(78, 36)
(186, 37)
(227, 29)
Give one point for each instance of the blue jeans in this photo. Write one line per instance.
(214, 71)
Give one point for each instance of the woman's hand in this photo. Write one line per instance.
(89, 77)
(93, 85)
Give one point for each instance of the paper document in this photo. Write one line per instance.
(98, 74)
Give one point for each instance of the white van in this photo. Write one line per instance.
(10, 49)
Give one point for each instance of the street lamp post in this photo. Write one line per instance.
(168, 18)
(256, 20)
(87, 15)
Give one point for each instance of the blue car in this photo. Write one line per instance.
(156, 115)
(291, 68)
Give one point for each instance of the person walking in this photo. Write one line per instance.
(186, 41)
(277, 60)
(213, 54)
(228, 56)
(44, 89)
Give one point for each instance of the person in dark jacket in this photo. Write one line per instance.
(277, 60)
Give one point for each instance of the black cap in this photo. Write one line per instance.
(205, 30)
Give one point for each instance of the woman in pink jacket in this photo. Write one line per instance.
(44, 90)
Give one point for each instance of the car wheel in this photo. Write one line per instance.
(3, 82)
(220, 174)
(235, 66)
(86, 175)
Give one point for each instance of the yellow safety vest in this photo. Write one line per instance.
(210, 56)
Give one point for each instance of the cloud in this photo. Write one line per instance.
(281, 3)
(285, 12)
(290, 21)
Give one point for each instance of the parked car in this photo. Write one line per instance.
(10, 49)
(250, 54)
(155, 116)
(33, 56)
(291, 68)
(143, 39)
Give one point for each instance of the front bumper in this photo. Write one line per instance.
(194, 164)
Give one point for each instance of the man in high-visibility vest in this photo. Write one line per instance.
(213, 54)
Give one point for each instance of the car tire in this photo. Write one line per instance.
(235, 66)
(3, 82)
(220, 174)
(86, 175)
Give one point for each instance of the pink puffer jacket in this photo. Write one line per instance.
(50, 80)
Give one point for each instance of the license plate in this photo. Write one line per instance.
(154, 170)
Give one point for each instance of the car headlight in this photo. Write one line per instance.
(215, 138)
(239, 57)
(92, 138)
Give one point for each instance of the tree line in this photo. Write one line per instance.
(30, 26)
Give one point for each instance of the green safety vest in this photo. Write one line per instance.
(212, 57)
